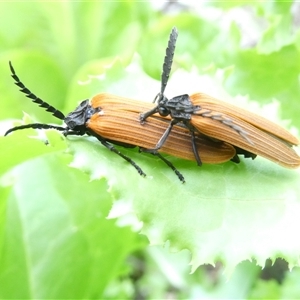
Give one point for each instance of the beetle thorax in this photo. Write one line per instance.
(80, 115)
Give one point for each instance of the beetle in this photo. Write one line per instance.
(269, 140)
(115, 120)
(249, 133)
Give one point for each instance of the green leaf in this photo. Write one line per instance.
(263, 78)
(279, 32)
(290, 288)
(266, 290)
(40, 74)
(58, 242)
(219, 207)
(111, 76)
(17, 148)
(275, 37)
(18, 25)
(231, 4)
(196, 34)
(88, 33)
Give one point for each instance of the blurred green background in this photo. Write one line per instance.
(69, 249)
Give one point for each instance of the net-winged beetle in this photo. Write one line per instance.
(249, 133)
(115, 120)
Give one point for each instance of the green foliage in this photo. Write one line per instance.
(56, 239)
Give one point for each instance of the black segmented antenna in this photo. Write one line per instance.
(35, 126)
(168, 60)
(55, 112)
(226, 121)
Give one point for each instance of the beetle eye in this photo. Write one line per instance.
(71, 124)
(163, 111)
(90, 111)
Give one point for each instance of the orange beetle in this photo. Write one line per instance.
(114, 119)
(251, 134)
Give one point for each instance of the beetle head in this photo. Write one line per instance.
(77, 119)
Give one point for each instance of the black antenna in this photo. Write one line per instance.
(168, 61)
(55, 112)
(35, 126)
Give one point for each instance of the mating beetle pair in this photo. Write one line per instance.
(212, 131)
